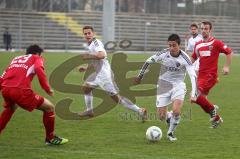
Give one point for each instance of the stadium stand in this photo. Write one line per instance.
(146, 31)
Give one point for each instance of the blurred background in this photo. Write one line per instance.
(130, 25)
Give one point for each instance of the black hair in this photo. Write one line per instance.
(174, 37)
(34, 49)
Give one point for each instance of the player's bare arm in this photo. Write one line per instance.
(226, 69)
(85, 68)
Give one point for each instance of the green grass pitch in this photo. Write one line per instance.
(118, 134)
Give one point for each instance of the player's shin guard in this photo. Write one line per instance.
(49, 121)
(174, 121)
(5, 117)
(205, 104)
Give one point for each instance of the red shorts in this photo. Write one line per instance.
(25, 98)
(206, 82)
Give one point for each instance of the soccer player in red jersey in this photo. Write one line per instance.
(208, 50)
(15, 85)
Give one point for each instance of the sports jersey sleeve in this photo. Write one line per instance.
(1, 79)
(153, 59)
(224, 48)
(39, 69)
(190, 47)
(98, 45)
(193, 77)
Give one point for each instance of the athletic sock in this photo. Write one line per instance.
(89, 101)
(128, 104)
(174, 121)
(5, 117)
(49, 121)
(205, 104)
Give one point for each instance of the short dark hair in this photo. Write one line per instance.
(207, 23)
(88, 27)
(194, 25)
(174, 37)
(34, 49)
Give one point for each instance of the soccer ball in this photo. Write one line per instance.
(154, 133)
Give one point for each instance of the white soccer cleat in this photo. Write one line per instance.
(171, 137)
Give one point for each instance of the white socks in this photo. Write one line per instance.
(89, 101)
(128, 104)
(174, 121)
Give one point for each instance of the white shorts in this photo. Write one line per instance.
(106, 84)
(177, 92)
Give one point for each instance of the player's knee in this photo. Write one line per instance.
(13, 108)
(47, 106)
(86, 90)
(176, 114)
(51, 108)
(162, 116)
(116, 98)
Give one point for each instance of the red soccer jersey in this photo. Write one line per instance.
(208, 52)
(21, 71)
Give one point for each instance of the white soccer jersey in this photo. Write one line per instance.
(192, 41)
(102, 67)
(173, 69)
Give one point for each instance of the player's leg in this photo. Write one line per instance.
(49, 121)
(6, 115)
(91, 82)
(177, 96)
(129, 105)
(175, 118)
(204, 87)
(9, 107)
(88, 97)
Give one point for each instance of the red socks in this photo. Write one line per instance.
(5, 117)
(48, 121)
(205, 104)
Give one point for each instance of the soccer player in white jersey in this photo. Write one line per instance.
(171, 87)
(195, 37)
(102, 77)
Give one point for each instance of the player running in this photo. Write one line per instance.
(171, 87)
(207, 51)
(102, 77)
(195, 37)
(15, 84)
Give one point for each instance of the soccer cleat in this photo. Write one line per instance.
(88, 113)
(213, 112)
(171, 137)
(143, 114)
(56, 141)
(216, 121)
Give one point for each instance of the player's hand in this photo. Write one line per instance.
(193, 99)
(225, 70)
(136, 80)
(51, 93)
(82, 69)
